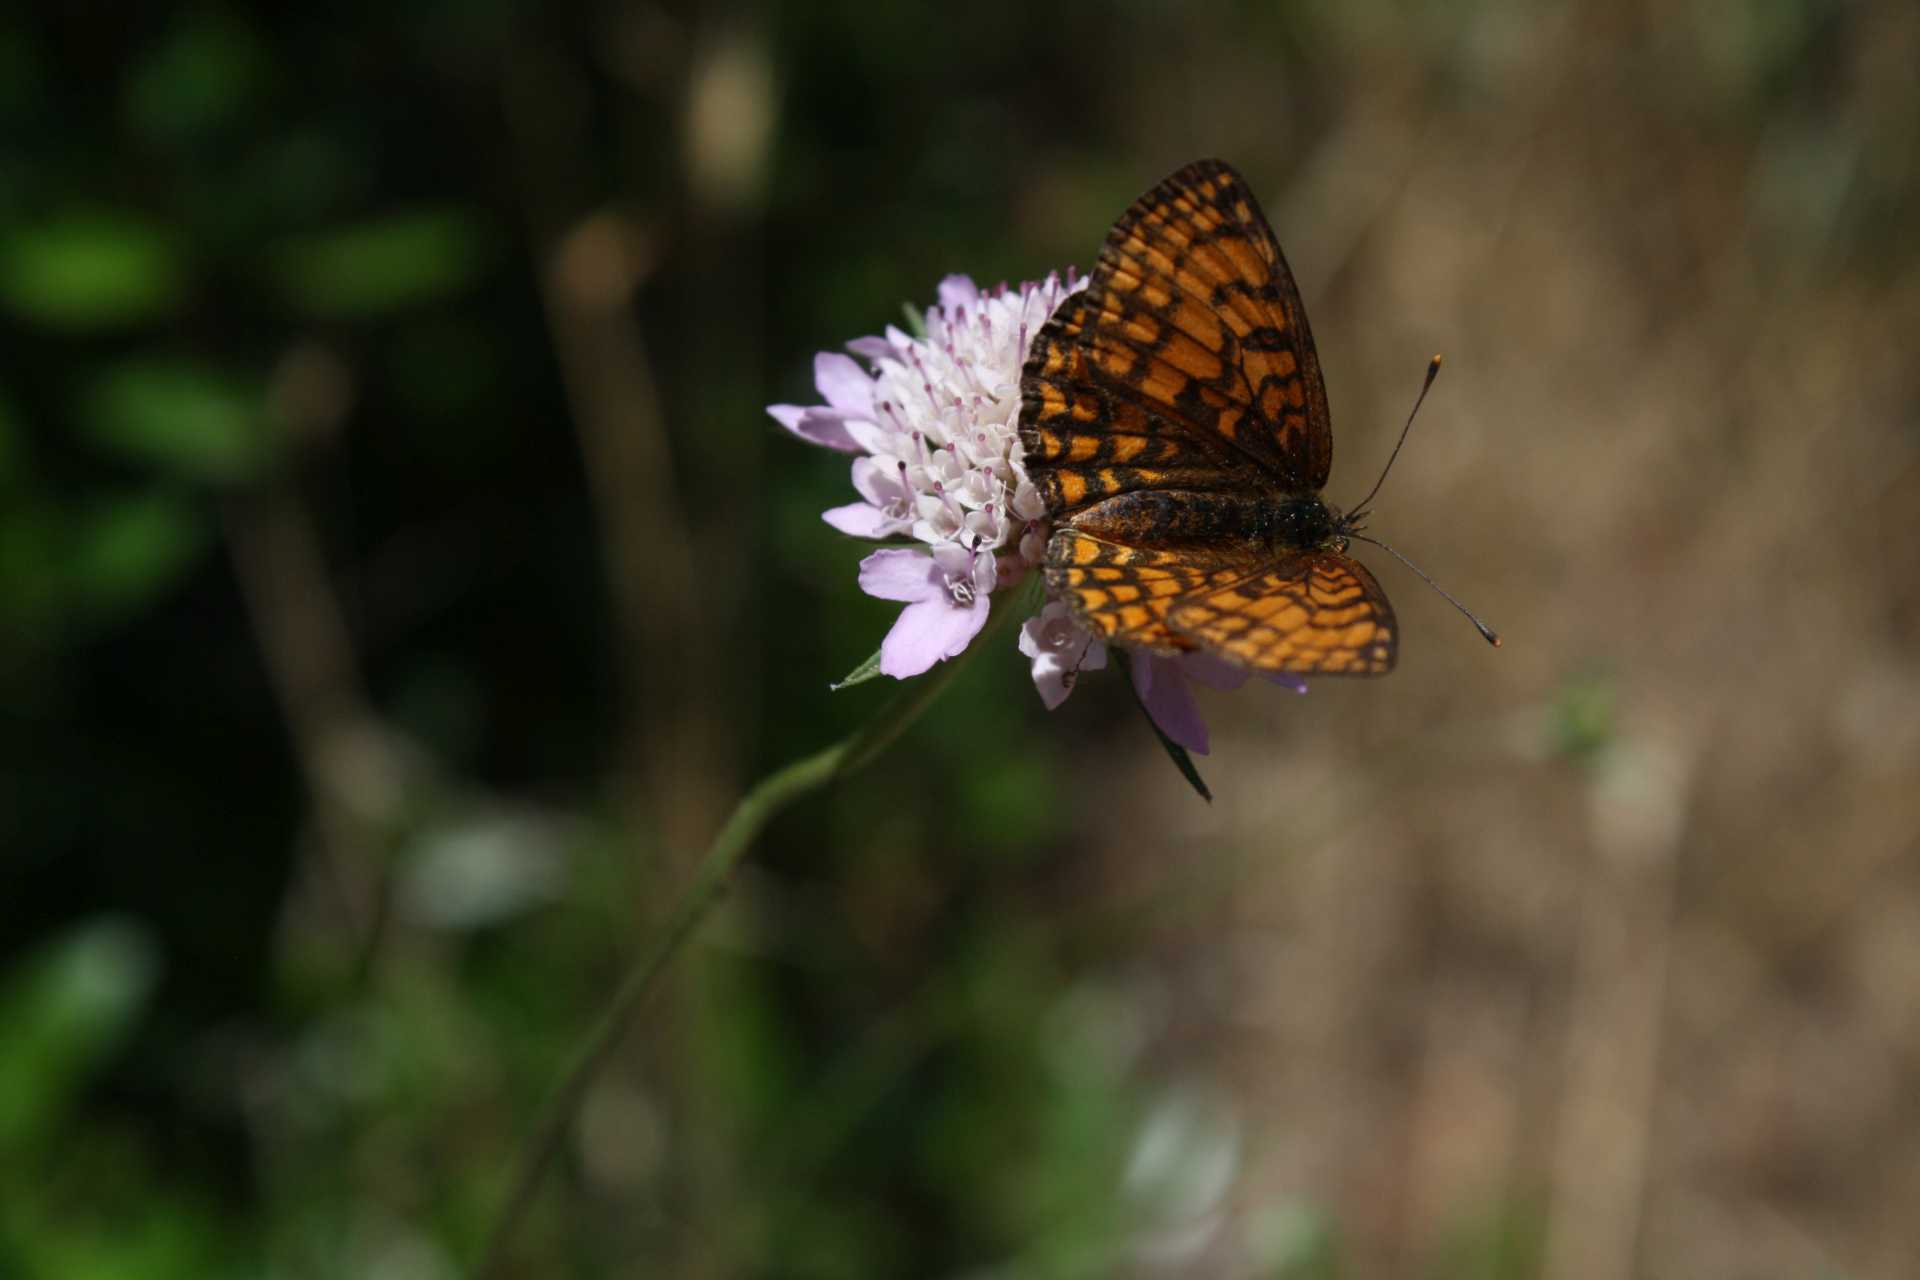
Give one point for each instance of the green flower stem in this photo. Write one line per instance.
(743, 826)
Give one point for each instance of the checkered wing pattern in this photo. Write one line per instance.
(1123, 594)
(1316, 613)
(1184, 375)
(1186, 362)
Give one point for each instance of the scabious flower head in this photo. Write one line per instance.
(933, 424)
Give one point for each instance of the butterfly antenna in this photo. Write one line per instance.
(1359, 509)
(1487, 633)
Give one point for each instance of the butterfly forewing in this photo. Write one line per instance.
(1192, 307)
(1086, 439)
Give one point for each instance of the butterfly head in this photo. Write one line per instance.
(1346, 522)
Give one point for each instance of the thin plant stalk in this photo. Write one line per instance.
(696, 901)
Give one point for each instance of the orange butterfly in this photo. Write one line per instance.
(1175, 422)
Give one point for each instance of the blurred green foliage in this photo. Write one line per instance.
(176, 419)
(1581, 721)
(89, 272)
(77, 1198)
(401, 260)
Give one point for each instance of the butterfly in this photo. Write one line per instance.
(1174, 420)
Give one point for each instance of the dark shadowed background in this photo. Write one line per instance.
(399, 577)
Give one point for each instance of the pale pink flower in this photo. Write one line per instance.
(1060, 649)
(945, 592)
(935, 425)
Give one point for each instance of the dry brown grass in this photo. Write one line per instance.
(1669, 993)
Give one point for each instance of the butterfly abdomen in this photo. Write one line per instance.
(1172, 518)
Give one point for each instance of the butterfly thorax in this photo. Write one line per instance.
(1300, 524)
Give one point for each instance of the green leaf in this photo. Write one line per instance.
(868, 670)
(185, 419)
(65, 1010)
(125, 553)
(1293, 1241)
(1581, 717)
(402, 260)
(916, 320)
(1175, 752)
(85, 273)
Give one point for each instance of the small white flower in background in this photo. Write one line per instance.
(934, 424)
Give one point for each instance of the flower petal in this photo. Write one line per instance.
(928, 631)
(1027, 502)
(1060, 650)
(1204, 668)
(875, 483)
(957, 291)
(869, 436)
(899, 574)
(986, 573)
(844, 383)
(816, 424)
(862, 520)
(1032, 641)
(874, 349)
(1164, 692)
(1053, 679)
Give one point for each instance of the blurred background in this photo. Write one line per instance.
(399, 576)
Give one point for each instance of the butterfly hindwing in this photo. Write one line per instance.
(1123, 593)
(1312, 613)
